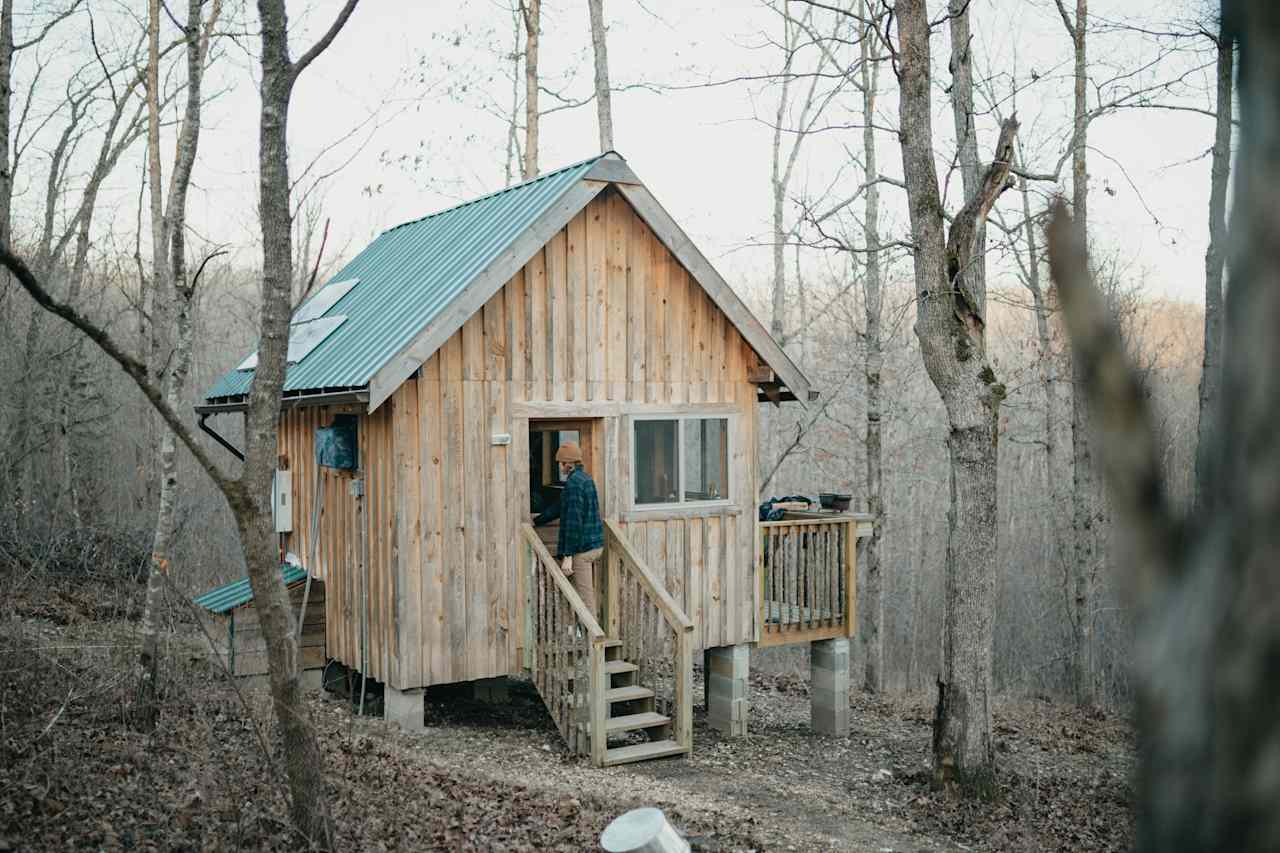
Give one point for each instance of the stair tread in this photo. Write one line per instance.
(627, 694)
(614, 667)
(642, 752)
(627, 722)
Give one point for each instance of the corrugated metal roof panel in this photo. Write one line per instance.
(238, 593)
(408, 275)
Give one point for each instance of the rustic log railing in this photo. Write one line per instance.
(808, 577)
(568, 654)
(656, 634)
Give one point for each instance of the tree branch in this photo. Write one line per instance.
(57, 19)
(136, 370)
(319, 47)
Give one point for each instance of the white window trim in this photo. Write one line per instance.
(680, 418)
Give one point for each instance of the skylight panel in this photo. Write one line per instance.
(328, 296)
(303, 338)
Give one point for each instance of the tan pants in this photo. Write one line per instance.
(581, 569)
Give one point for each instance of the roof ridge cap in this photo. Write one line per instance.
(511, 188)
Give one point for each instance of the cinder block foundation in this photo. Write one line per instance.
(405, 708)
(829, 686)
(726, 669)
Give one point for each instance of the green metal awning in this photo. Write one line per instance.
(238, 593)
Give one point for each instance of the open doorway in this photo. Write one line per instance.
(545, 484)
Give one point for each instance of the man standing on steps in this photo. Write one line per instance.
(581, 541)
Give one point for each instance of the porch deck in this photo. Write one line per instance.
(808, 571)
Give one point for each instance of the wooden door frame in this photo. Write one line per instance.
(592, 446)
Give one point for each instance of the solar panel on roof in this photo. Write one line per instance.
(303, 338)
(328, 296)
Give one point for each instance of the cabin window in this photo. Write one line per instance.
(680, 460)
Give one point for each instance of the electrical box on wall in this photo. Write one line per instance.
(282, 501)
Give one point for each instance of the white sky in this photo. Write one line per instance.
(697, 150)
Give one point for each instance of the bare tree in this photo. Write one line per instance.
(1204, 586)
(951, 329)
(173, 300)
(249, 496)
(1084, 499)
(604, 99)
(531, 14)
(1215, 261)
(873, 589)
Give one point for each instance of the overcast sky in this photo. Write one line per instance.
(424, 68)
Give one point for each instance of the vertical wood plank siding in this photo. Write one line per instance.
(603, 314)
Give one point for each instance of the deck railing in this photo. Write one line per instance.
(568, 656)
(808, 576)
(656, 634)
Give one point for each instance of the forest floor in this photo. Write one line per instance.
(73, 775)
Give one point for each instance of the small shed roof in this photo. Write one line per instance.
(238, 593)
(417, 283)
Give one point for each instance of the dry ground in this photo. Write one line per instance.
(74, 776)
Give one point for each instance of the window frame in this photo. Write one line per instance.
(682, 505)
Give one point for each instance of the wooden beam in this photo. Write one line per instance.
(611, 167)
(761, 374)
(679, 244)
(481, 289)
(616, 408)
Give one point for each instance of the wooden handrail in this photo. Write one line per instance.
(810, 522)
(661, 598)
(562, 583)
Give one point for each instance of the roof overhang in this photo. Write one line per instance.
(240, 403)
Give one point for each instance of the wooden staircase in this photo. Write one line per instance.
(631, 709)
(594, 690)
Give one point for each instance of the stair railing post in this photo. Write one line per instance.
(684, 686)
(599, 707)
(613, 589)
(851, 578)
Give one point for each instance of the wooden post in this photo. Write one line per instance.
(851, 578)
(642, 831)
(613, 589)
(530, 585)
(599, 709)
(684, 687)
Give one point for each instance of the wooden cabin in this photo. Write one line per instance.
(462, 349)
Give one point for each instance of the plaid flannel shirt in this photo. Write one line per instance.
(579, 512)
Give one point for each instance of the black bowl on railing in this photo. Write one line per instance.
(835, 502)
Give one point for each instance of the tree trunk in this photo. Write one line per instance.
(6, 107)
(1204, 587)
(873, 593)
(950, 328)
(251, 501)
(1047, 368)
(604, 99)
(532, 10)
(169, 255)
(1084, 497)
(1214, 262)
(961, 67)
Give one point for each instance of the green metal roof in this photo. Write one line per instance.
(237, 593)
(409, 275)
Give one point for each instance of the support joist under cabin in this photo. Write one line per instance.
(464, 348)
